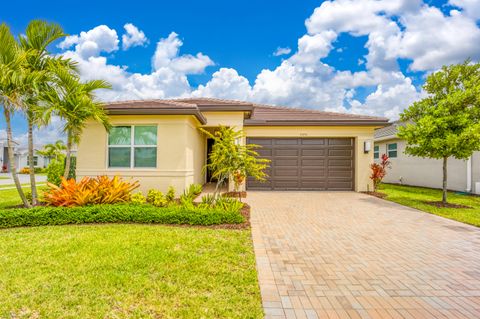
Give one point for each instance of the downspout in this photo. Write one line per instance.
(469, 175)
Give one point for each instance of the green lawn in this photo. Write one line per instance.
(127, 271)
(9, 197)
(416, 196)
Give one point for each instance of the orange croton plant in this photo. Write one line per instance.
(99, 190)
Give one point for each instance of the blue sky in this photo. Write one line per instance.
(359, 56)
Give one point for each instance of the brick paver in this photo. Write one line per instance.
(350, 255)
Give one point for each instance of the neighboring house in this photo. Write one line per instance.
(4, 160)
(417, 171)
(158, 142)
(38, 160)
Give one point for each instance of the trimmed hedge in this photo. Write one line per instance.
(121, 213)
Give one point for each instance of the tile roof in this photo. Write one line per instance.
(260, 114)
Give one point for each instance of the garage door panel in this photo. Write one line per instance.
(340, 153)
(286, 162)
(313, 185)
(286, 141)
(313, 172)
(340, 141)
(264, 152)
(286, 184)
(312, 141)
(285, 152)
(312, 152)
(341, 174)
(306, 163)
(281, 172)
(313, 162)
(260, 141)
(339, 163)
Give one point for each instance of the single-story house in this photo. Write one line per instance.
(463, 175)
(4, 160)
(158, 142)
(39, 160)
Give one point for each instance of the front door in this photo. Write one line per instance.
(210, 143)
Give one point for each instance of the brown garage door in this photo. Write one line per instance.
(306, 163)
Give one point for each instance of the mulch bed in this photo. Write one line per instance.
(376, 194)
(446, 205)
(235, 194)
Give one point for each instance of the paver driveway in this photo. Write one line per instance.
(350, 255)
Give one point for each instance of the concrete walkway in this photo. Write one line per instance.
(6, 179)
(350, 255)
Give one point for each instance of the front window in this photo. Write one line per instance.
(376, 152)
(35, 161)
(132, 146)
(392, 150)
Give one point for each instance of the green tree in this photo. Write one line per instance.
(74, 101)
(38, 36)
(230, 158)
(15, 81)
(447, 122)
(53, 150)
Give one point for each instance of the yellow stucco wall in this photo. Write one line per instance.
(181, 148)
(180, 154)
(233, 119)
(359, 133)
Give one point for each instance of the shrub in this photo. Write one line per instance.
(138, 198)
(208, 201)
(379, 171)
(170, 196)
(191, 193)
(100, 190)
(55, 172)
(228, 204)
(119, 213)
(156, 198)
(73, 167)
(25, 170)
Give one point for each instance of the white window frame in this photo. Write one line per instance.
(35, 159)
(132, 147)
(376, 150)
(389, 150)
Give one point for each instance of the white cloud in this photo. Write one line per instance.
(470, 7)
(93, 42)
(133, 37)
(282, 51)
(167, 56)
(395, 29)
(167, 79)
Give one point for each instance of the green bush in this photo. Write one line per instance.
(73, 167)
(55, 172)
(170, 196)
(186, 199)
(156, 198)
(122, 213)
(138, 198)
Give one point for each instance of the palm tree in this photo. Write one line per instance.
(74, 101)
(38, 36)
(53, 150)
(15, 81)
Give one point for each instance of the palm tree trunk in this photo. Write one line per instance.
(31, 162)
(11, 158)
(444, 194)
(68, 157)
